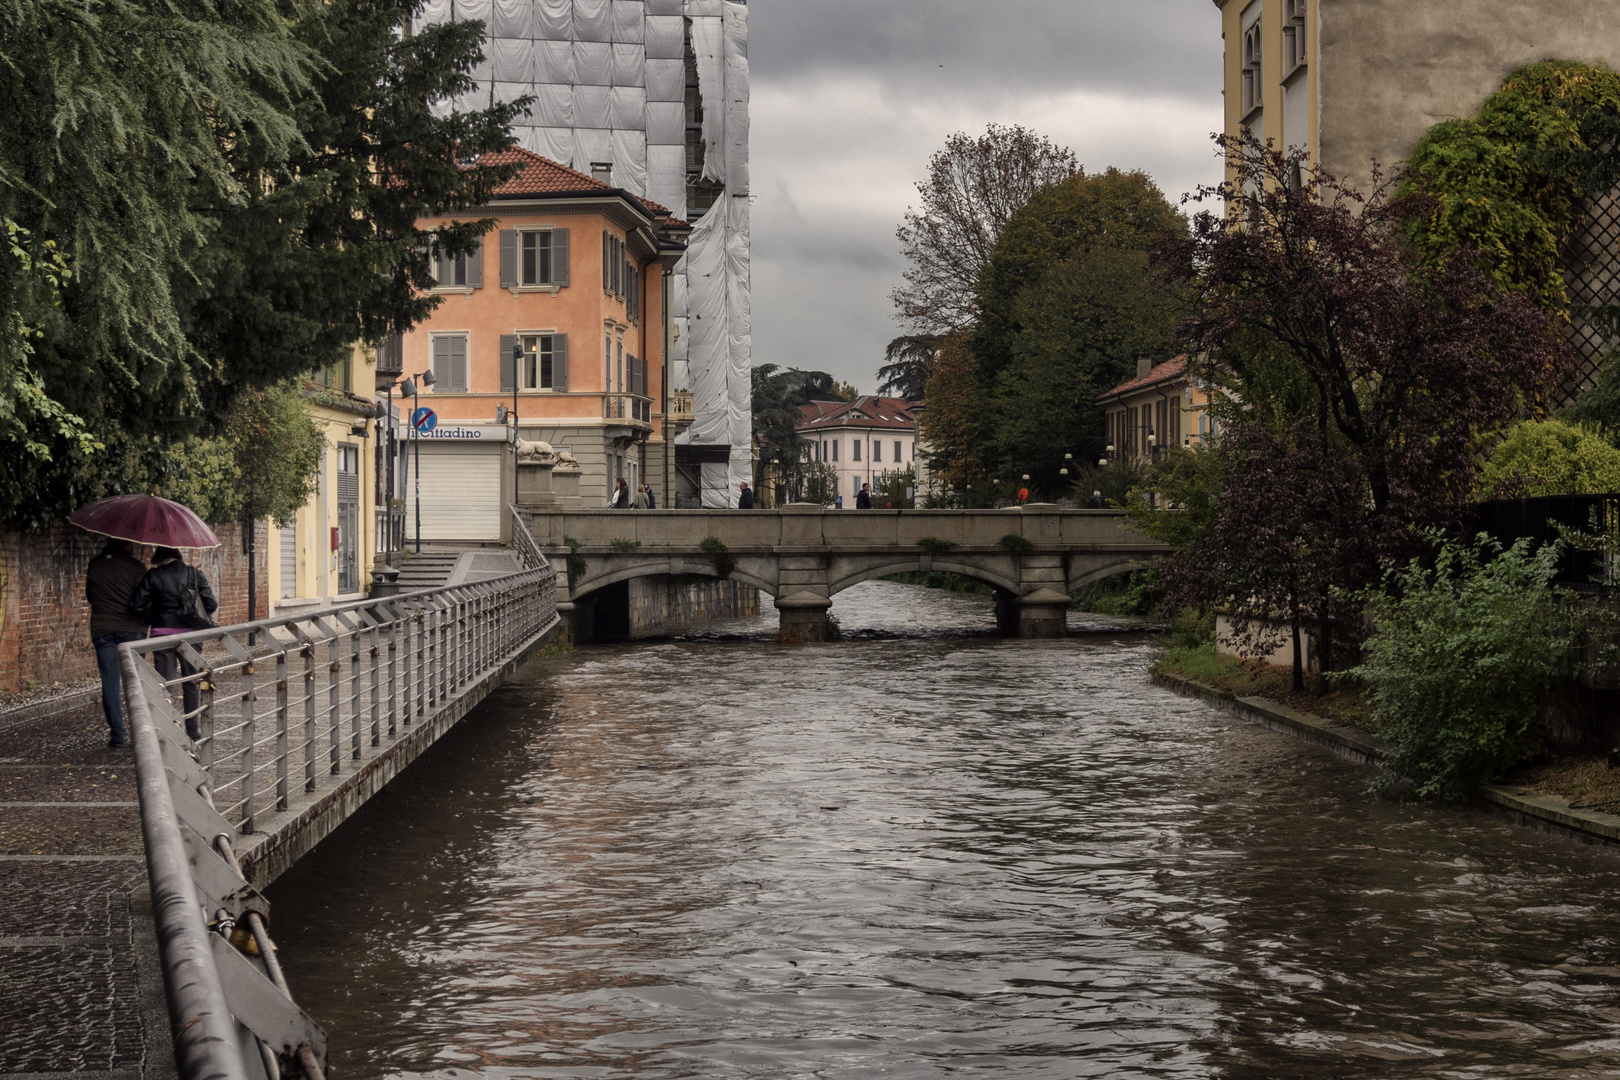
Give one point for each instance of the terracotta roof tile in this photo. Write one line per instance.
(1170, 369)
(537, 175)
(867, 412)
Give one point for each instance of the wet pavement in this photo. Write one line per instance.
(80, 989)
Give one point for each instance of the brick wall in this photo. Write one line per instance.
(44, 621)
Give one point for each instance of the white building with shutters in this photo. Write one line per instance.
(650, 96)
(561, 316)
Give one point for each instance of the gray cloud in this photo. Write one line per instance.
(849, 101)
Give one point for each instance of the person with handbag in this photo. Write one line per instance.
(174, 598)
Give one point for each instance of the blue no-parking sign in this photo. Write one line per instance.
(423, 420)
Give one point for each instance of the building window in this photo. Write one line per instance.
(855, 450)
(1293, 36)
(877, 450)
(1253, 91)
(450, 363)
(835, 449)
(534, 258)
(897, 457)
(537, 372)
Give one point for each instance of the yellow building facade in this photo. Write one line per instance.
(325, 555)
(1355, 82)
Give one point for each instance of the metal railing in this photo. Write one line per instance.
(282, 712)
(624, 406)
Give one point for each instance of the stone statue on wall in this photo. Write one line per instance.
(535, 453)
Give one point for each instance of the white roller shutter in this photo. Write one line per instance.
(461, 493)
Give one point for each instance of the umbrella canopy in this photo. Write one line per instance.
(145, 519)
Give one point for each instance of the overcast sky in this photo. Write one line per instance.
(851, 97)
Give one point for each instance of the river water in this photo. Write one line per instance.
(928, 852)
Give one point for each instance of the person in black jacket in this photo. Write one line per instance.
(161, 600)
(745, 496)
(863, 499)
(109, 583)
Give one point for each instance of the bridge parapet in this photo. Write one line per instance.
(803, 555)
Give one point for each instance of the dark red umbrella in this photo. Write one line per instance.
(145, 519)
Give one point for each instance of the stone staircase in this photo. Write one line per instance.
(429, 570)
(437, 567)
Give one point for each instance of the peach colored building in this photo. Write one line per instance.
(575, 278)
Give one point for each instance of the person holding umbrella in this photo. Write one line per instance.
(109, 585)
(175, 599)
(172, 596)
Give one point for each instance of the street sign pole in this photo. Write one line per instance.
(416, 468)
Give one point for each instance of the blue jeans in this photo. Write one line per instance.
(112, 686)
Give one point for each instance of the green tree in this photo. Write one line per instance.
(1550, 457)
(1082, 323)
(235, 190)
(1066, 305)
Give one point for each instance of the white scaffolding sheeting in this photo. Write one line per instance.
(609, 82)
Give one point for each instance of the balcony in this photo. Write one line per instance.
(633, 409)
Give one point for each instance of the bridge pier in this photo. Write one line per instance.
(1043, 602)
(804, 597)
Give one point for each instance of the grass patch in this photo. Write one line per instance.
(1014, 542)
(624, 545)
(1251, 678)
(1580, 780)
(934, 545)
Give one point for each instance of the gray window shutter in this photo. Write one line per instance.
(559, 362)
(458, 363)
(441, 360)
(607, 261)
(559, 257)
(508, 367)
(508, 259)
(475, 266)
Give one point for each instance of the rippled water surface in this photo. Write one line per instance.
(923, 853)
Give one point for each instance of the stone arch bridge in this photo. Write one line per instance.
(802, 556)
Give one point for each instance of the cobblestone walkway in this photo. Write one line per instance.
(81, 991)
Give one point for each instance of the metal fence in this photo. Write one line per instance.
(280, 712)
(1539, 520)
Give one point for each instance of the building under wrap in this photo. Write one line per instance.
(657, 92)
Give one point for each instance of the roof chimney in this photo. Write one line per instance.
(603, 171)
(1144, 366)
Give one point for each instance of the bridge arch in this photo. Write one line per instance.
(1085, 575)
(698, 566)
(881, 567)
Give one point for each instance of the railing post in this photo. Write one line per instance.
(334, 701)
(395, 625)
(249, 760)
(282, 741)
(376, 682)
(312, 731)
(356, 689)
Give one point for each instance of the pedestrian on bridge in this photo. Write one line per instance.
(863, 498)
(745, 496)
(620, 499)
(175, 599)
(641, 497)
(652, 500)
(109, 585)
